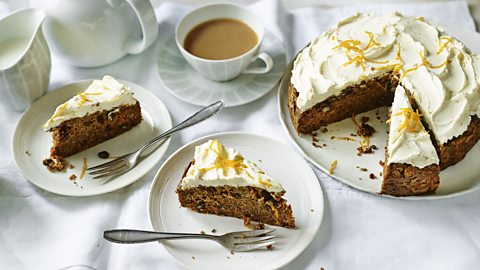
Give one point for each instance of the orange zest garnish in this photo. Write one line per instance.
(410, 70)
(222, 162)
(265, 183)
(442, 46)
(84, 167)
(411, 120)
(352, 47)
(428, 64)
(397, 55)
(332, 166)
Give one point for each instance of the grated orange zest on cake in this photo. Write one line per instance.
(411, 122)
(443, 46)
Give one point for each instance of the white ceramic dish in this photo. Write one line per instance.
(459, 179)
(31, 144)
(303, 192)
(184, 82)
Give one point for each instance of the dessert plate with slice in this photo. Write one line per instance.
(31, 143)
(236, 171)
(411, 165)
(184, 82)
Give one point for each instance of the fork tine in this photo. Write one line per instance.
(251, 240)
(106, 164)
(107, 169)
(112, 173)
(248, 247)
(253, 233)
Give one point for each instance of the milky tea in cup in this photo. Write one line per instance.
(221, 41)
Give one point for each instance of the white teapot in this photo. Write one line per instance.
(90, 33)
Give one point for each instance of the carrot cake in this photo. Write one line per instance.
(221, 181)
(357, 65)
(104, 110)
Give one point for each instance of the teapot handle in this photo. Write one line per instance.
(148, 22)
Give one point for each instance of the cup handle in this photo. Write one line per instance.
(260, 70)
(148, 22)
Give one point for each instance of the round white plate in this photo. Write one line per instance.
(455, 180)
(303, 193)
(184, 82)
(31, 144)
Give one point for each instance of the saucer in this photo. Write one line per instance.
(184, 82)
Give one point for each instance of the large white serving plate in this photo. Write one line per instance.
(459, 179)
(303, 193)
(31, 144)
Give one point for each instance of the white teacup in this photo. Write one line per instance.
(91, 33)
(224, 70)
(24, 59)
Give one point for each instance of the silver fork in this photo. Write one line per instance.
(127, 162)
(234, 241)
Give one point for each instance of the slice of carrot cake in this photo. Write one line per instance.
(104, 110)
(221, 181)
(412, 164)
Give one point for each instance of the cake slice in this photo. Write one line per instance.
(104, 110)
(221, 181)
(412, 164)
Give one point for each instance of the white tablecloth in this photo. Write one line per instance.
(41, 230)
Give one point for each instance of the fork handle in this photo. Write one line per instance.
(198, 117)
(137, 236)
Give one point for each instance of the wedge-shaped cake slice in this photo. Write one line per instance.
(104, 110)
(221, 181)
(412, 164)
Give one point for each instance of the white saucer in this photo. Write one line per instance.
(303, 193)
(31, 144)
(187, 84)
(459, 179)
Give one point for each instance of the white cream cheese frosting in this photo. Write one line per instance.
(408, 141)
(217, 165)
(439, 71)
(104, 94)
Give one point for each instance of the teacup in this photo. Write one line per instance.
(24, 59)
(226, 69)
(91, 33)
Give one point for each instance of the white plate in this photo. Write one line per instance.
(184, 82)
(29, 136)
(455, 180)
(303, 193)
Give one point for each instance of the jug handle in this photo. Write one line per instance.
(148, 22)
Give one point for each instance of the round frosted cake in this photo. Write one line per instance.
(363, 61)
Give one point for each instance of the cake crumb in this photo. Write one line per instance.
(362, 169)
(323, 130)
(202, 232)
(252, 225)
(28, 153)
(214, 230)
(231, 252)
(381, 163)
(103, 154)
(270, 247)
(332, 166)
(381, 174)
(71, 166)
(311, 210)
(343, 138)
(372, 176)
(55, 164)
(73, 177)
(193, 258)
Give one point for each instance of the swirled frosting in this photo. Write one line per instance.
(104, 94)
(408, 141)
(217, 165)
(439, 71)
